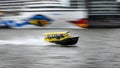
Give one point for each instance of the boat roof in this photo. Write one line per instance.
(51, 33)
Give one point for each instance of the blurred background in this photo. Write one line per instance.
(100, 13)
(96, 48)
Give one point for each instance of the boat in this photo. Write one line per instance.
(61, 38)
(47, 14)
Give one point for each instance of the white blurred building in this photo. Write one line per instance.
(95, 7)
(16, 5)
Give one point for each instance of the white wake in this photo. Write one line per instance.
(25, 41)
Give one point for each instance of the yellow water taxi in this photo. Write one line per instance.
(62, 38)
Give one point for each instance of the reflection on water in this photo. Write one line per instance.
(97, 48)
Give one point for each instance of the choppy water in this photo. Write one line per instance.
(97, 48)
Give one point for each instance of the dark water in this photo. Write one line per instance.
(97, 48)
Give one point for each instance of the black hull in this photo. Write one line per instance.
(4, 27)
(68, 41)
(104, 26)
(104, 21)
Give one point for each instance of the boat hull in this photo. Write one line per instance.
(5, 27)
(68, 41)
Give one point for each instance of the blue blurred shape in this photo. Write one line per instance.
(7, 23)
(12, 23)
(39, 17)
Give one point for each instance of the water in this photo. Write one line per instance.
(97, 48)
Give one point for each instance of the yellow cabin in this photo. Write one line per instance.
(56, 36)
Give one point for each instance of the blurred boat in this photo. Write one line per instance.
(48, 13)
(62, 38)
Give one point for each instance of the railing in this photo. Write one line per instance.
(10, 5)
(78, 3)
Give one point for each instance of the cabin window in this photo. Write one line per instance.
(58, 36)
